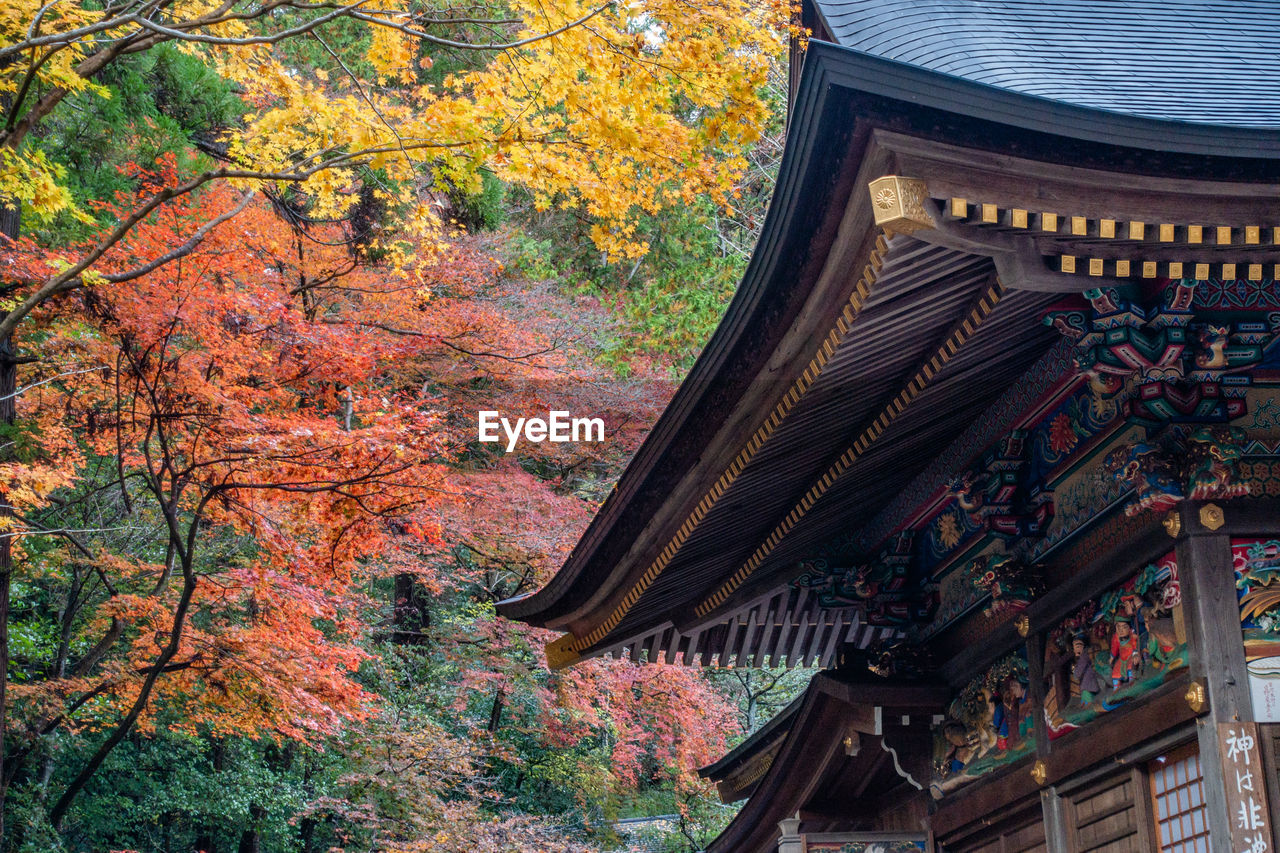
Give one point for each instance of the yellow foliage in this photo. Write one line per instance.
(617, 110)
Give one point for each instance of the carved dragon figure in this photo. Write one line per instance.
(1011, 585)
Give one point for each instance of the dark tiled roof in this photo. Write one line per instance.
(1216, 63)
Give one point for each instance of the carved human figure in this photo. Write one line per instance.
(1083, 674)
(1132, 611)
(960, 748)
(1162, 642)
(1126, 653)
(985, 725)
(1010, 717)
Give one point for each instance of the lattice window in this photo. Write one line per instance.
(1177, 795)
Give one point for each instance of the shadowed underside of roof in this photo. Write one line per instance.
(1216, 63)
(849, 359)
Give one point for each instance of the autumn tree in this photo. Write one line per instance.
(209, 483)
(613, 110)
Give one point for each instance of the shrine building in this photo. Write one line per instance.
(991, 434)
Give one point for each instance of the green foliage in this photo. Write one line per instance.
(162, 101)
(482, 210)
(176, 791)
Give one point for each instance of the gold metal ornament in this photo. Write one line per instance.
(1211, 516)
(898, 204)
(561, 653)
(1023, 624)
(1173, 523)
(1195, 696)
(1039, 772)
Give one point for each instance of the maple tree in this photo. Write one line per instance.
(212, 400)
(221, 459)
(237, 483)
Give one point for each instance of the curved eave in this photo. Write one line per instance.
(762, 738)
(840, 91)
(813, 755)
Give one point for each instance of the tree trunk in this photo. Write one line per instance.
(250, 840)
(9, 218)
(495, 711)
(63, 805)
(8, 415)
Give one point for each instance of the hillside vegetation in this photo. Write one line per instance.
(261, 264)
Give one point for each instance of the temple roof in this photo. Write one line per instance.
(851, 359)
(850, 751)
(736, 774)
(1216, 63)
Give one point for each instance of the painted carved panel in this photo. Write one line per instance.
(1114, 648)
(1257, 572)
(864, 843)
(989, 725)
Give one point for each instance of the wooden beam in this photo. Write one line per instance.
(1035, 673)
(669, 640)
(833, 641)
(901, 698)
(1216, 649)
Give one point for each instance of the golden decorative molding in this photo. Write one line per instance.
(1122, 268)
(1211, 516)
(567, 648)
(1172, 523)
(561, 653)
(751, 772)
(898, 204)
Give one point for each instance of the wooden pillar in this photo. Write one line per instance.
(791, 840)
(1215, 644)
(1035, 672)
(1056, 833)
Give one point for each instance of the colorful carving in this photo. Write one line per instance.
(1151, 472)
(992, 497)
(1257, 568)
(842, 586)
(987, 726)
(1011, 585)
(1236, 295)
(1183, 371)
(1115, 647)
(882, 588)
(877, 844)
(1164, 472)
(1122, 338)
(900, 660)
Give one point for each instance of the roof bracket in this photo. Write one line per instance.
(902, 205)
